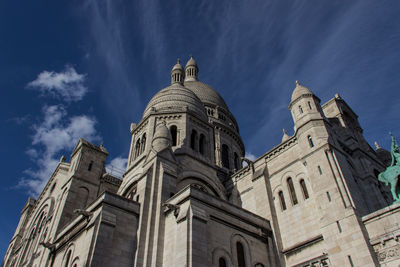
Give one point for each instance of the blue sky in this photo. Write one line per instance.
(88, 68)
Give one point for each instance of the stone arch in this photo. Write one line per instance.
(75, 262)
(246, 247)
(124, 187)
(219, 252)
(68, 255)
(217, 189)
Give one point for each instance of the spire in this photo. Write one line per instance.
(177, 73)
(191, 70)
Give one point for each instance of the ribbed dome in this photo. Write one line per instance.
(206, 93)
(299, 91)
(175, 97)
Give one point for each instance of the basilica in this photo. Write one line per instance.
(186, 200)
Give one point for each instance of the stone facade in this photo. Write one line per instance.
(186, 200)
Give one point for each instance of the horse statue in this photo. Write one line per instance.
(392, 173)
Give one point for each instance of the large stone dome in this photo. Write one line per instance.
(173, 98)
(206, 93)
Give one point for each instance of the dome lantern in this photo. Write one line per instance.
(191, 70)
(177, 73)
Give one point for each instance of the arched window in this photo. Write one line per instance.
(222, 262)
(236, 160)
(193, 138)
(304, 189)
(67, 258)
(310, 141)
(240, 255)
(282, 200)
(225, 156)
(137, 148)
(143, 143)
(291, 190)
(202, 141)
(174, 134)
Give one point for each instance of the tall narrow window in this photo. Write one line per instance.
(137, 148)
(193, 138)
(309, 105)
(236, 160)
(282, 200)
(240, 255)
(304, 189)
(319, 170)
(90, 165)
(174, 135)
(225, 156)
(310, 141)
(291, 190)
(143, 144)
(222, 262)
(300, 109)
(202, 141)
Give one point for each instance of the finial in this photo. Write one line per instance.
(191, 56)
(377, 146)
(297, 83)
(102, 144)
(178, 61)
(285, 135)
(337, 96)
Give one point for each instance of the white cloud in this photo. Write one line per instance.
(250, 156)
(67, 85)
(117, 166)
(54, 135)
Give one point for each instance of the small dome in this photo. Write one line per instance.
(206, 93)
(191, 62)
(162, 137)
(175, 98)
(177, 66)
(299, 91)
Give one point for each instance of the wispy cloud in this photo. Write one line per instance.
(55, 134)
(67, 85)
(117, 166)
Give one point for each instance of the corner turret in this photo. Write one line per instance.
(304, 106)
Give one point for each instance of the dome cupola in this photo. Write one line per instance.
(191, 70)
(177, 73)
